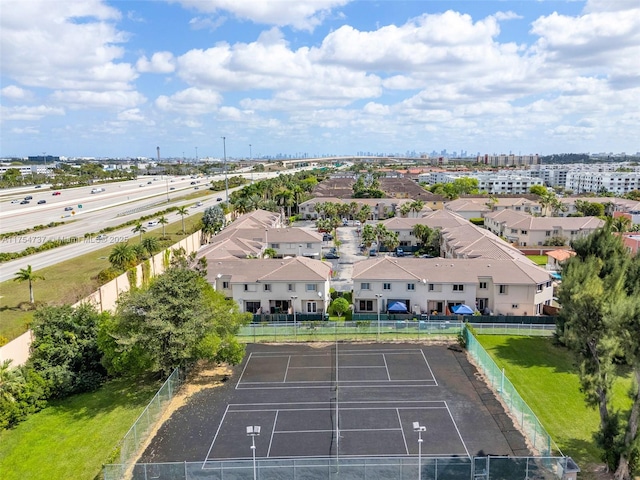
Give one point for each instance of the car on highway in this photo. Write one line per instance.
(38, 186)
(28, 197)
(196, 188)
(149, 183)
(141, 185)
(193, 183)
(68, 209)
(219, 199)
(15, 201)
(40, 202)
(102, 237)
(172, 188)
(56, 194)
(24, 202)
(152, 223)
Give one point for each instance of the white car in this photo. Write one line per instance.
(152, 223)
(15, 201)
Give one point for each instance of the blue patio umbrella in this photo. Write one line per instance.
(462, 310)
(396, 307)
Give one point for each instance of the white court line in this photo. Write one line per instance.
(429, 367)
(273, 431)
(286, 370)
(443, 402)
(456, 426)
(362, 387)
(404, 438)
(216, 435)
(342, 352)
(245, 367)
(386, 366)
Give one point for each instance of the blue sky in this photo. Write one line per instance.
(97, 78)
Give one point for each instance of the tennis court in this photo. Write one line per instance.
(342, 401)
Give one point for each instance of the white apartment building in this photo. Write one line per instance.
(618, 183)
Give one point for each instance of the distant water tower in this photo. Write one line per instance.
(158, 151)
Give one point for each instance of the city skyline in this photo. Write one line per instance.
(119, 78)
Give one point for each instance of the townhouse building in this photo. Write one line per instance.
(476, 207)
(524, 230)
(273, 286)
(498, 286)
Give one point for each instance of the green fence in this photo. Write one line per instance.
(138, 434)
(387, 317)
(520, 411)
(363, 468)
(347, 331)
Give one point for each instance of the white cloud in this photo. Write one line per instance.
(161, 62)
(29, 113)
(302, 15)
(189, 102)
(13, 92)
(71, 44)
(131, 115)
(84, 99)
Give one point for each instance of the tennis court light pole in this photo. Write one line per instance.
(253, 431)
(293, 307)
(419, 428)
(378, 301)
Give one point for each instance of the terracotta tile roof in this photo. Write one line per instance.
(561, 255)
(296, 269)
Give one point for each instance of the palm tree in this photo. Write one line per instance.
(139, 228)
(405, 208)
(27, 274)
(182, 211)
(364, 213)
(122, 256)
(10, 379)
(163, 221)
(151, 245)
(417, 206)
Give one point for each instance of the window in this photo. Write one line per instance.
(252, 307)
(483, 285)
(365, 286)
(275, 245)
(309, 245)
(366, 305)
(225, 284)
(246, 287)
(514, 305)
(311, 287)
(386, 286)
(431, 287)
(267, 287)
(502, 289)
(524, 232)
(547, 233)
(458, 288)
(312, 307)
(411, 286)
(514, 230)
(291, 287)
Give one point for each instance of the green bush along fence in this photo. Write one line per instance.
(520, 411)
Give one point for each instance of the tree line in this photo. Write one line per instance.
(174, 321)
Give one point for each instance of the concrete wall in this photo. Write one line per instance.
(105, 298)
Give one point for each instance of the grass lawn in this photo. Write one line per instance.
(546, 378)
(68, 282)
(538, 259)
(71, 439)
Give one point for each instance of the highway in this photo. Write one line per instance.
(118, 203)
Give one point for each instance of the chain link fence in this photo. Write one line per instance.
(520, 411)
(138, 434)
(363, 468)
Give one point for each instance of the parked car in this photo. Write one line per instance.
(40, 202)
(55, 194)
(357, 223)
(399, 252)
(331, 255)
(373, 252)
(327, 237)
